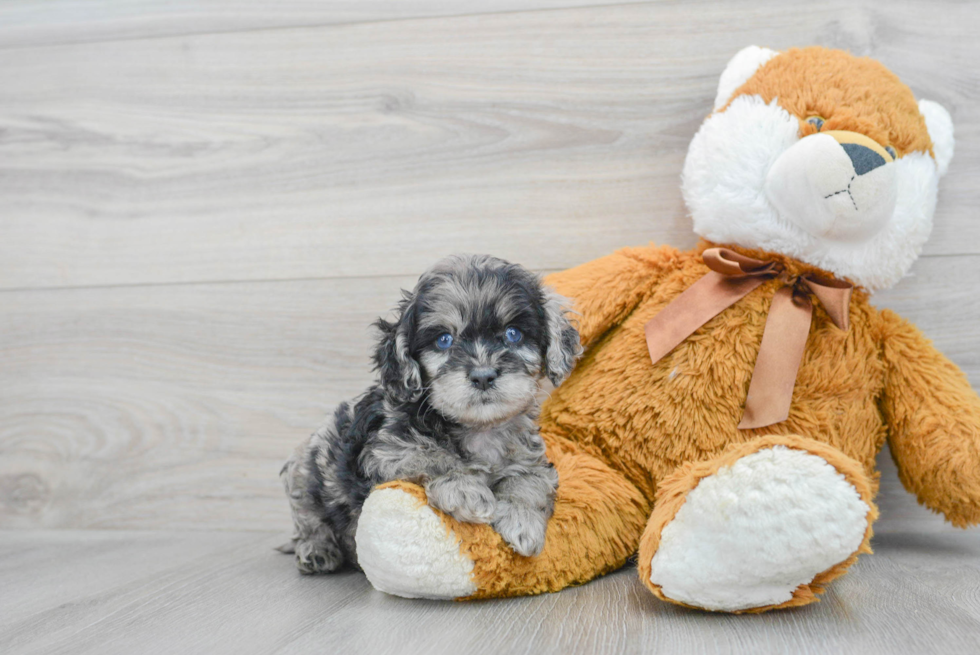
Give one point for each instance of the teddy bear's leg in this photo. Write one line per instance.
(407, 548)
(764, 525)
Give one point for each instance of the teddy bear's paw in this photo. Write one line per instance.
(753, 534)
(406, 550)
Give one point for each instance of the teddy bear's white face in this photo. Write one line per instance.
(834, 199)
(835, 185)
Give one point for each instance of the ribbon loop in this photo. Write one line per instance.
(729, 262)
(732, 277)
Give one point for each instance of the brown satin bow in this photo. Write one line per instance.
(732, 277)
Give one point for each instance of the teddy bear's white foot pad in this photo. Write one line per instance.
(405, 549)
(751, 533)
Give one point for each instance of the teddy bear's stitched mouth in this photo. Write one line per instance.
(830, 192)
(847, 191)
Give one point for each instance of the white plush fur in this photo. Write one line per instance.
(814, 185)
(738, 71)
(405, 549)
(752, 533)
(940, 126)
(724, 185)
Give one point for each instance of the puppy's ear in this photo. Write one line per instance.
(399, 372)
(564, 346)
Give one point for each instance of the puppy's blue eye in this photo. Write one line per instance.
(816, 122)
(444, 341)
(512, 335)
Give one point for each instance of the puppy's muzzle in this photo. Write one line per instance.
(483, 377)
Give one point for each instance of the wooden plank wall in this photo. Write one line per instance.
(203, 206)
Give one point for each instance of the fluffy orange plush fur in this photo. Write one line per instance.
(850, 93)
(631, 438)
(627, 436)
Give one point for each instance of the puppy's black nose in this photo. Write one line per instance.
(482, 378)
(864, 159)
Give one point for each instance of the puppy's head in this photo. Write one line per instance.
(475, 335)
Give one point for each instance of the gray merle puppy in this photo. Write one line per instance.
(454, 409)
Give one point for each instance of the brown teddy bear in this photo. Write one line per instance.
(725, 418)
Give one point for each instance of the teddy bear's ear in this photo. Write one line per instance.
(940, 126)
(738, 71)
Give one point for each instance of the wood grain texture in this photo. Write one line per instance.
(170, 592)
(174, 406)
(188, 397)
(545, 137)
(24, 23)
(204, 204)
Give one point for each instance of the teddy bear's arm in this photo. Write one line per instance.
(605, 290)
(933, 416)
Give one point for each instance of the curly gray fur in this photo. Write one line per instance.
(460, 420)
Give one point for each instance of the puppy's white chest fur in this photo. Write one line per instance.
(486, 447)
(493, 446)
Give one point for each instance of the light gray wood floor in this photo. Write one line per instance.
(204, 204)
(104, 592)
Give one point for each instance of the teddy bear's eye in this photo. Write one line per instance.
(815, 121)
(891, 151)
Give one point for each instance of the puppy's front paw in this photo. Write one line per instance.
(521, 527)
(466, 497)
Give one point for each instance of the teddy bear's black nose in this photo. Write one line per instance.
(864, 158)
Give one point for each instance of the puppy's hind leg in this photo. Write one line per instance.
(319, 552)
(315, 542)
